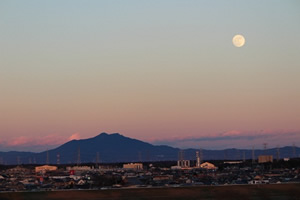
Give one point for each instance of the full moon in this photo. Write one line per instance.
(238, 40)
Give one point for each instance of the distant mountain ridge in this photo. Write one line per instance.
(109, 148)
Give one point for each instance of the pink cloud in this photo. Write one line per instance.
(50, 140)
(75, 136)
(18, 141)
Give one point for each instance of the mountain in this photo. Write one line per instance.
(111, 148)
(118, 148)
(15, 157)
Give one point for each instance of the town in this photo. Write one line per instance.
(183, 173)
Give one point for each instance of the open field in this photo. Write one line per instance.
(244, 192)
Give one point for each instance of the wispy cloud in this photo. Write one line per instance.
(234, 139)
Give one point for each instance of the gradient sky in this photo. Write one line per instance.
(160, 71)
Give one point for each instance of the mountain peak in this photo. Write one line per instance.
(116, 134)
(103, 134)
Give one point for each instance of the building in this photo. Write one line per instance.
(208, 165)
(265, 159)
(183, 163)
(18, 170)
(175, 167)
(45, 168)
(134, 166)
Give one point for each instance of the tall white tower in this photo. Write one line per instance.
(198, 159)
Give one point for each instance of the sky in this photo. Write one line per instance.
(164, 72)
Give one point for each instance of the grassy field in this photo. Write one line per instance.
(243, 192)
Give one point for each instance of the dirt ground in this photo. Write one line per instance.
(243, 192)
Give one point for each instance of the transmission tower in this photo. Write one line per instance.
(278, 153)
(238, 156)
(148, 156)
(201, 155)
(253, 155)
(140, 156)
(180, 155)
(97, 159)
(47, 158)
(265, 147)
(225, 154)
(58, 159)
(78, 157)
(294, 150)
(18, 160)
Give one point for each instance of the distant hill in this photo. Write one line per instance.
(118, 148)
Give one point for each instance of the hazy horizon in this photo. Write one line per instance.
(165, 72)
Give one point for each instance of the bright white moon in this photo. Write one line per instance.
(238, 40)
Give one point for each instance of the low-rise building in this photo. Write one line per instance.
(45, 168)
(133, 166)
(80, 168)
(163, 178)
(265, 158)
(184, 163)
(18, 170)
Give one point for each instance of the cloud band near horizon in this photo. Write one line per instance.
(235, 139)
(228, 139)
